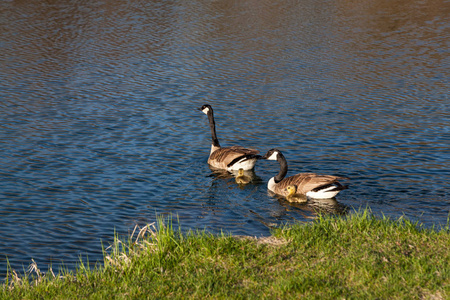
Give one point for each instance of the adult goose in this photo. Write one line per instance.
(228, 158)
(309, 184)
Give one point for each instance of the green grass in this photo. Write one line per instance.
(354, 257)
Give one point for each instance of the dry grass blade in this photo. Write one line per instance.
(15, 279)
(142, 232)
(34, 268)
(123, 258)
(270, 240)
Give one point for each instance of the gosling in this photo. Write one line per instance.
(292, 196)
(241, 178)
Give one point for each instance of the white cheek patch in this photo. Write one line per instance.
(205, 110)
(273, 156)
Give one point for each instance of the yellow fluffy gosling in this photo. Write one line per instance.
(292, 196)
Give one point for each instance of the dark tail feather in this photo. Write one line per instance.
(337, 187)
(341, 187)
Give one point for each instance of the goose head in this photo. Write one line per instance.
(272, 154)
(206, 109)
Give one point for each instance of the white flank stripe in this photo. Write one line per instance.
(322, 194)
(243, 164)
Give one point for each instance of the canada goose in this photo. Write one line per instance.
(292, 196)
(228, 158)
(309, 184)
(241, 178)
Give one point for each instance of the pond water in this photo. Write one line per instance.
(100, 129)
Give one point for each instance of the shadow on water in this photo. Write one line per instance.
(312, 207)
(241, 177)
(226, 183)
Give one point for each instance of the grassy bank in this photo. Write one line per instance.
(357, 256)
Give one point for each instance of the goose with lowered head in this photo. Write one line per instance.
(310, 184)
(228, 158)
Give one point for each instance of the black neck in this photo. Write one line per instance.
(283, 168)
(212, 125)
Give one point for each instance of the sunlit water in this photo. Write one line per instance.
(100, 132)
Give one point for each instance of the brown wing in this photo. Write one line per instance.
(305, 182)
(223, 156)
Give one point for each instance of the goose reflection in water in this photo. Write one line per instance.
(226, 183)
(244, 177)
(314, 206)
(241, 177)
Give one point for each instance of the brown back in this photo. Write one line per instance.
(223, 156)
(305, 182)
